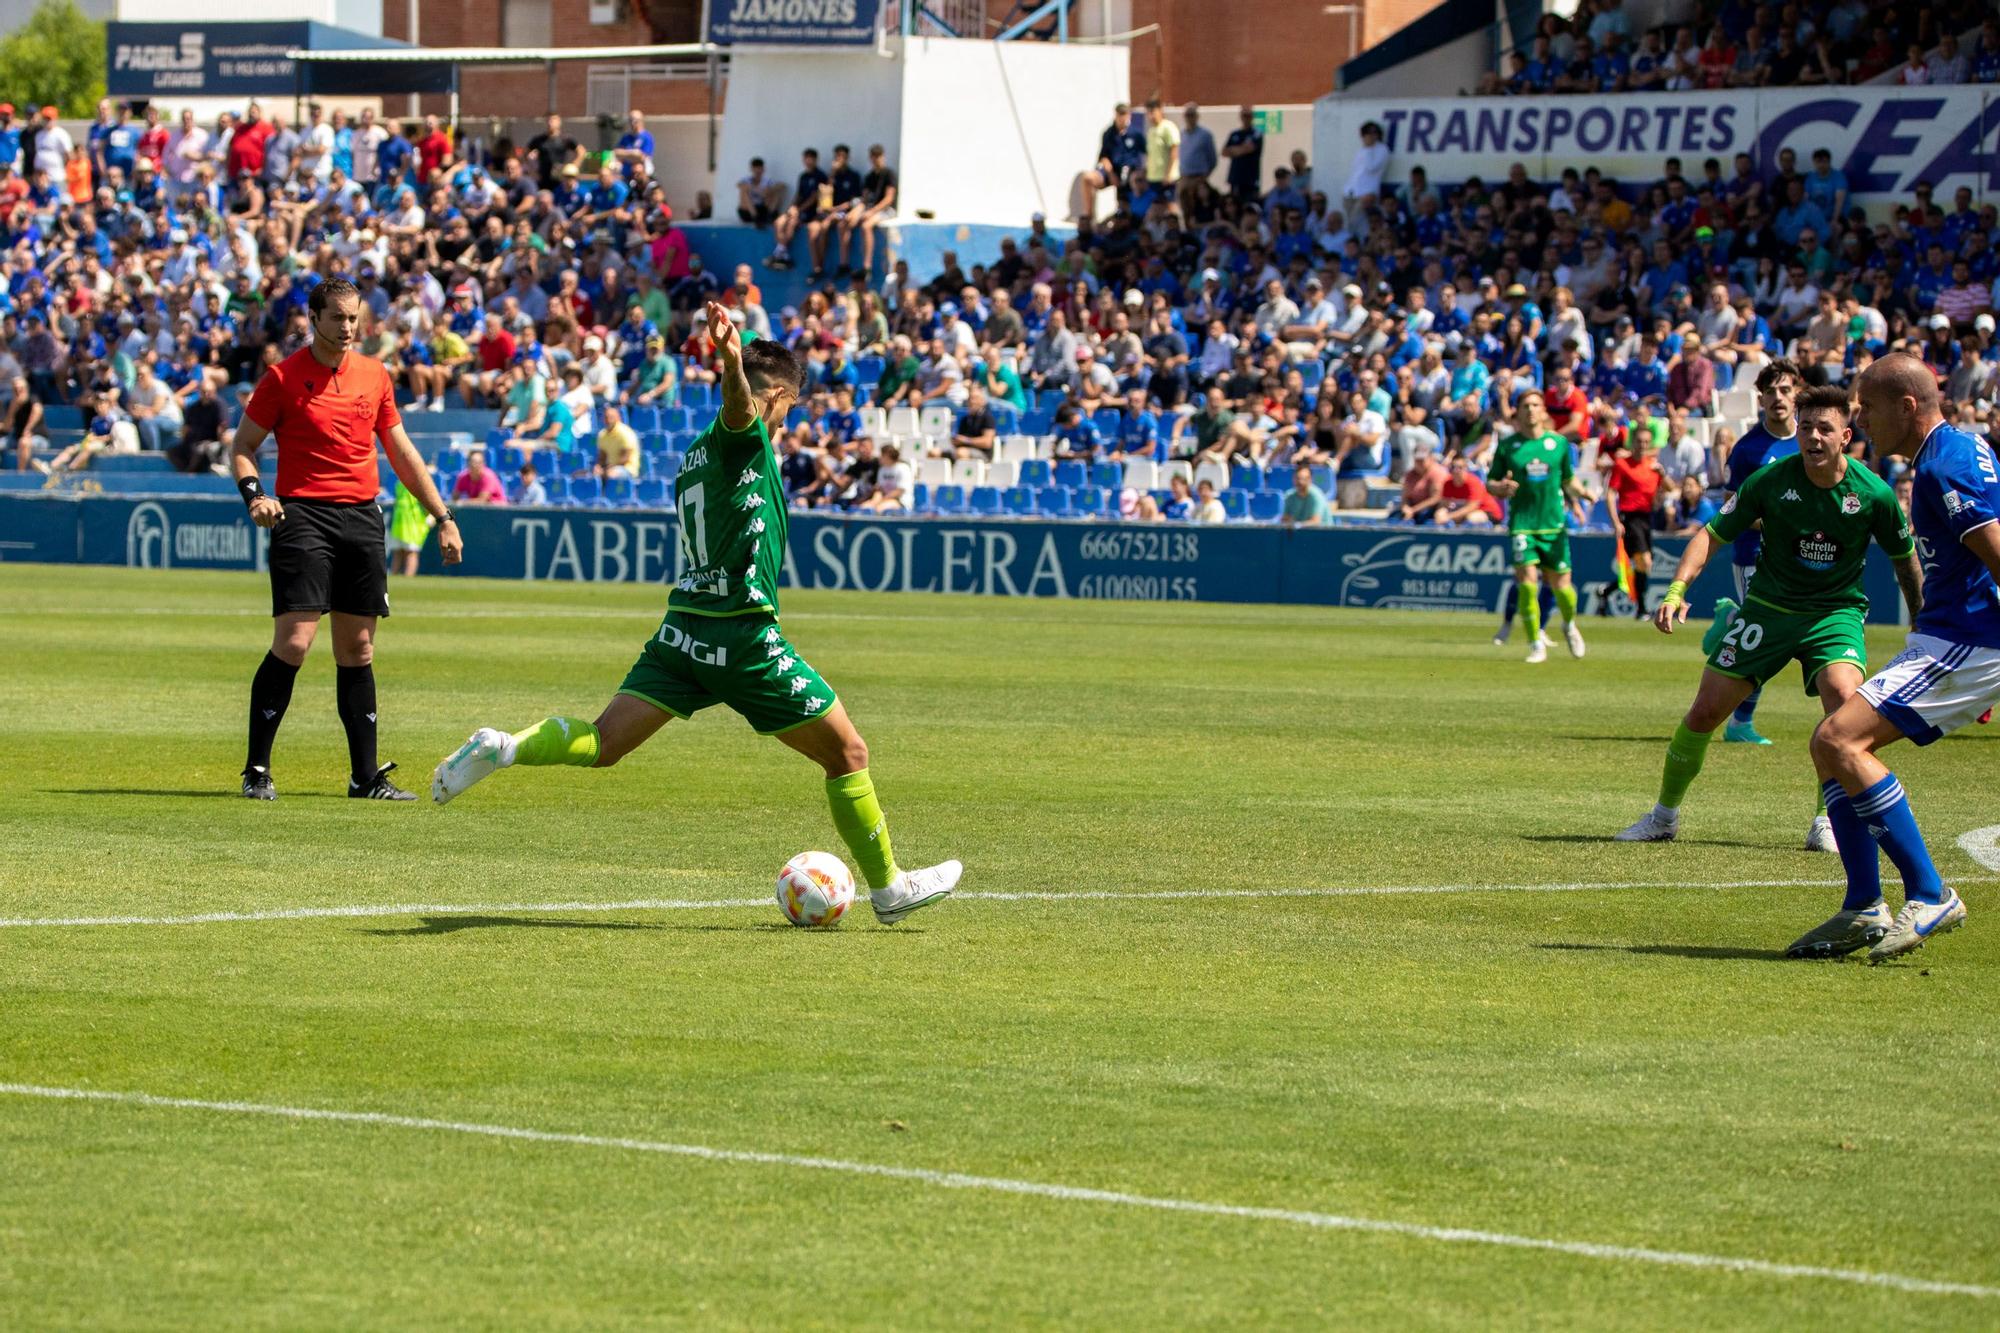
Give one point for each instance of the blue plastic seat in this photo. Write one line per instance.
(949, 499)
(1311, 373)
(1019, 500)
(586, 490)
(868, 368)
(1108, 420)
(498, 436)
(1054, 501)
(557, 489)
(984, 500)
(1323, 476)
(920, 499)
(676, 418)
(508, 458)
(1107, 474)
(1267, 506)
(698, 397)
(1072, 474)
(1037, 422)
(1037, 472)
(1006, 417)
(654, 493)
(1095, 502)
(1235, 504)
(1048, 400)
(620, 491)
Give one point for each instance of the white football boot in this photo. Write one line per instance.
(484, 753)
(913, 889)
(1819, 836)
(1655, 827)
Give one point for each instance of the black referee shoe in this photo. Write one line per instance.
(379, 788)
(257, 784)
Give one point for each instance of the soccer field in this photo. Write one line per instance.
(1293, 981)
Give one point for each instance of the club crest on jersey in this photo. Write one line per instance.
(1729, 505)
(1850, 504)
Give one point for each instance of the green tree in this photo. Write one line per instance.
(55, 59)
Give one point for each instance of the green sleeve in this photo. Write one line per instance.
(1503, 458)
(1741, 511)
(1892, 526)
(1566, 472)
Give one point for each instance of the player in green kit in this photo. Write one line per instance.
(1805, 604)
(720, 642)
(1533, 472)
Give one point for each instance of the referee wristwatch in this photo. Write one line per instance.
(446, 517)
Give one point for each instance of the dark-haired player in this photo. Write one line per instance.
(720, 642)
(1819, 509)
(326, 406)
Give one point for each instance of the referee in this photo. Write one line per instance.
(326, 406)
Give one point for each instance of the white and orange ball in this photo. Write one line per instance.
(815, 889)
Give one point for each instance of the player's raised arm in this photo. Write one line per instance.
(410, 470)
(739, 409)
(1673, 609)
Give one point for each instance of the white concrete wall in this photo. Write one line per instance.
(782, 102)
(355, 14)
(996, 131)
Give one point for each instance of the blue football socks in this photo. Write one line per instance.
(1887, 812)
(1748, 709)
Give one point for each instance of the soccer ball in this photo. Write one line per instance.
(815, 889)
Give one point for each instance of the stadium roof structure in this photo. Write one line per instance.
(454, 58)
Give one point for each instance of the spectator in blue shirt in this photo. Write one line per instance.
(1076, 435)
(1138, 429)
(1645, 375)
(1120, 152)
(1798, 213)
(10, 136)
(1245, 151)
(634, 150)
(1826, 187)
(1611, 65)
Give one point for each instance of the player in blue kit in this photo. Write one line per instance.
(1775, 436)
(1947, 676)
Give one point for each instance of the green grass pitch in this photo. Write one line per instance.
(1619, 1067)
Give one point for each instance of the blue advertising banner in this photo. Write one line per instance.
(201, 59)
(1377, 567)
(794, 22)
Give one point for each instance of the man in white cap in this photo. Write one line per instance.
(599, 375)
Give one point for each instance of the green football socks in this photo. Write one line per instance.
(858, 816)
(1566, 603)
(1531, 610)
(557, 740)
(1685, 753)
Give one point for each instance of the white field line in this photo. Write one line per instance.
(1034, 896)
(1036, 1189)
(1983, 846)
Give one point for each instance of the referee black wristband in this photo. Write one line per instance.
(446, 517)
(251, 488)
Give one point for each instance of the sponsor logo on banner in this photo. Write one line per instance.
(794, 22)
(154, 541)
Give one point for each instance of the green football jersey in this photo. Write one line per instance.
(731, 502)
(1815, 539)
(1542, 465)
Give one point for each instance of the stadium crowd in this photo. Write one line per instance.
(1182, 358)
(1733, 44)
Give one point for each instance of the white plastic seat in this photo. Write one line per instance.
(934, 472)
(1211, 471)
(1003, 472)
(1142, 474)
(968, 472)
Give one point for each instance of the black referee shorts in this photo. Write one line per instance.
(329, 557)
(1638, 530)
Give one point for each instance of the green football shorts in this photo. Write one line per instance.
(1762, 639)
(743, 661)
(1550, 550)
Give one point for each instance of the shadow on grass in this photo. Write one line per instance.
(451, 925)
(1677, 951)
(1607, 838)
(197, 795)
(1626, 740)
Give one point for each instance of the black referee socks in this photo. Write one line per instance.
(270, 696)
(354, 691)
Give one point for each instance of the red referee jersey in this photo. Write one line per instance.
(326, 423)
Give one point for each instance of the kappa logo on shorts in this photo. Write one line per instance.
(753, 501)
(800, 685)
(756, 526)
(812, 704)
(786, 663)
(706, 654)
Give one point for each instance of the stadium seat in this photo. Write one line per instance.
(548, 462)
(654, 493)
(869, 368)
(936, 420)
(903, 422)
(1323, 475)
(934, 471)
(676, 418)
(1037, 423)
(1054, 501)
(874, 422)
(655, 441)
(508, 458)
(1213, 472)
(1236, 504)
(1107, 474)
(1019, 500)
(557, 489)
(586, 490)
(1142, 474)
(619, 492)
(1108, 420)
(1037, 472)
(1096, 502)
(948, 500)
(699, 398)
(1266, 506)
(1312, 373)
(1254, 477)
(1006, 417)
(984, 500)
(968, 472)
(1048, 400)
(1015, 448)
(920, 499)
(1179, 467)
(1072, 474)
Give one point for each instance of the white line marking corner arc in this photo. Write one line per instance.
(1035, 1189)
